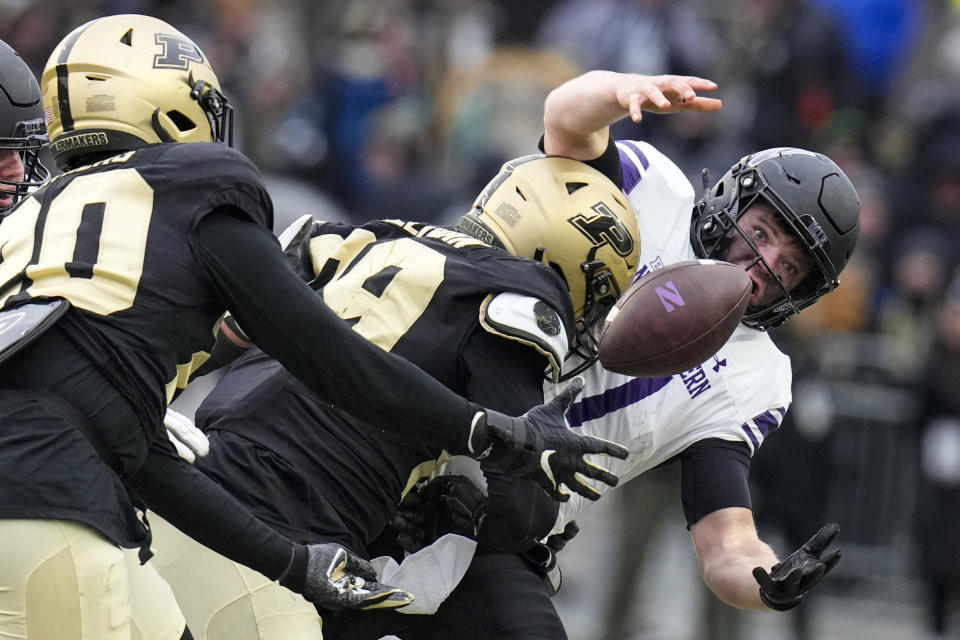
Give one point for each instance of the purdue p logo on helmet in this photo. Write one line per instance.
(123, 82)
(571, 217)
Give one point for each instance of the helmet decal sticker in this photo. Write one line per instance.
(177, 53)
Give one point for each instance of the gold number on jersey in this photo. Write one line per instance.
(92, 246)
(386, 290)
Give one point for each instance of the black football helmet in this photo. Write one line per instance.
(815, 200)
(21, 121)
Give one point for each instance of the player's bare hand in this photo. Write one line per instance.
(665, 94)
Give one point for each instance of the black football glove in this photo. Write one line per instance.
(559, 540)
(542, 557)
(788, 581)
(337, 579)
(538, 445)
(445, 504)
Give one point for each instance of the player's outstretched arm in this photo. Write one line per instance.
(578, 113)
(286, 319)
(326, 574)
(734, 561)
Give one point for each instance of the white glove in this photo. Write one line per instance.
(189, 441)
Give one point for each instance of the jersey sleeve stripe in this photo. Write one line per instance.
(768, 422)
(752, 433)
(614, 399)
(633, 164)
(762, 425)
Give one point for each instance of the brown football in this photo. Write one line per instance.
(674, 318)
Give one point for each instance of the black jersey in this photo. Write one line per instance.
(113, 239)
(413, 289)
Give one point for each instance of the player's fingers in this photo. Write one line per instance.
(764, 580)
(566, 397)
(790, 582)
(596, 472)
(700, 84)
(553, 489)
(635, 106)
(702, 104)
(405, 523)
(676, 86)
(183, 450)
(384, 597)
(584, 488)
(656, 98)
(812, 577)
(831, 559)
(570, 531)
(593, 444)
(358, 566)
(822, 539)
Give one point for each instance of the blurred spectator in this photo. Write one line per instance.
(789, 59)
(939, 491)
(493, 111)
(852, 306)
(631, 36)
(928, 82)
(907, 307)
(936, 172)
(634, 36)
(878, 36)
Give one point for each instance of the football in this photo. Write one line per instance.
(674, 318)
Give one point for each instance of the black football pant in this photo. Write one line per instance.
(499, 598)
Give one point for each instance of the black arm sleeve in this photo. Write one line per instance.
(202, 509)
(224, 352)
(714, 476)
(608, 163)
(508, 376)
(286, 319)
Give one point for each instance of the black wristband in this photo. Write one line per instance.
(224, 352)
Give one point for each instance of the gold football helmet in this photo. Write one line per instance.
(123, 82)
(570, 217)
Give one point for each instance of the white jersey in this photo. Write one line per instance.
(741, 394)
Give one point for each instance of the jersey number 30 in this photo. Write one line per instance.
(89, 247)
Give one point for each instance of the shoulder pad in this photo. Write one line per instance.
(527, 320)
(295, 231)
(295, 243)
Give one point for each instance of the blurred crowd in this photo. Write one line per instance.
(359, 109)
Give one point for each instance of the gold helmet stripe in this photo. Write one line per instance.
(63, 90)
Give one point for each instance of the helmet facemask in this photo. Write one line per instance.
(22, 128)
(27, 140)
(216, 107)
(602, 294)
